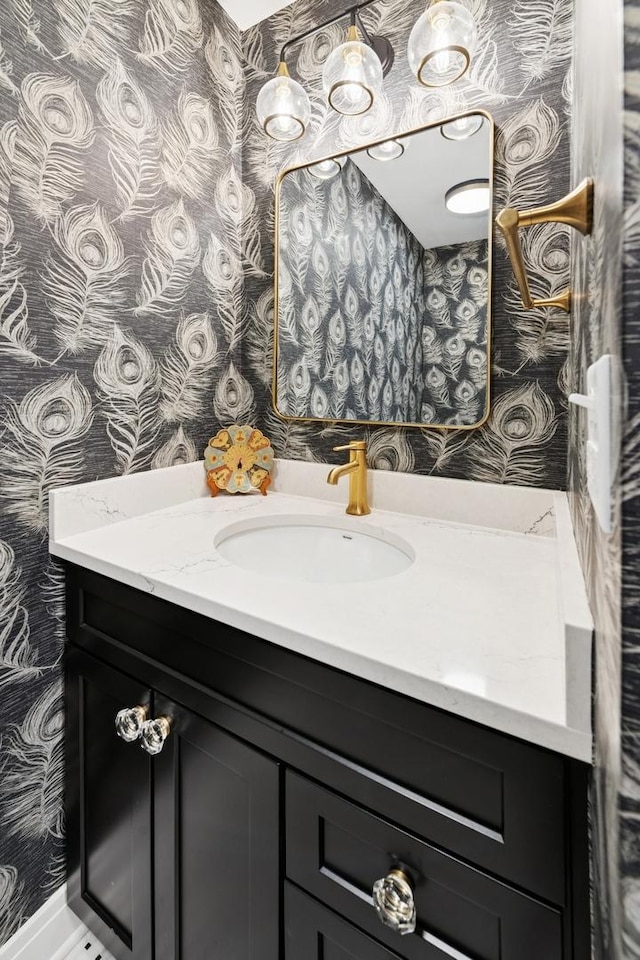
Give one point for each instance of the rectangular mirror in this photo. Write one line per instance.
(383, 281)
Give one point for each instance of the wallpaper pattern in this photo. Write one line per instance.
(597, 271)
(121, 281)
(607, 321)
(525, 82)
(371, 325)
(630, 781)
(454, 334)
(136, 311)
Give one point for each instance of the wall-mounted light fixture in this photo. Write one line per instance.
(440, 49)
(442, 43)
(469, 198)
(283, 107)
(352, 75)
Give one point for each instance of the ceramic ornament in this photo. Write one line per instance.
(239, 459)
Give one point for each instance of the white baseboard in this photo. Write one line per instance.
(50, 934)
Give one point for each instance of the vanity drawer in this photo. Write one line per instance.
(314, 933)
(336, 851)
(490, 799)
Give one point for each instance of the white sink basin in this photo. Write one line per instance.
(314, 549)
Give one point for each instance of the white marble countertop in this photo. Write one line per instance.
(490, 622)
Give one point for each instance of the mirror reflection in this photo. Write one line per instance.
(383, 281)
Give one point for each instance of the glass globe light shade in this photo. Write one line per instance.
(442, 43)
(283, 107)
(327, 169)
(352, 76)
(389, 150)
(462, 128)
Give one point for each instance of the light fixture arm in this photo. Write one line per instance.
(351, 12)
(356, 21)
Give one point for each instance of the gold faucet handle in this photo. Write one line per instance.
(575, 210)
(354, 445)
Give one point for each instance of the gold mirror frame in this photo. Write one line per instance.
(346, 153)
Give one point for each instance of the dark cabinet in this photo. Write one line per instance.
(174, 855)
(108, 804)
(336, 851)
(284, 790)
(491, 799)
(314, 933)
(216, 825)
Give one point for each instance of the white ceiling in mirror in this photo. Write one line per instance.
(247, 12)
(416, 183)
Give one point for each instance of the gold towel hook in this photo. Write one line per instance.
(576, 210)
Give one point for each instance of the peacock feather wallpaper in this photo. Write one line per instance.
(379, 329)
(124, 231)
(525, 82)
(629, 802)
(136, 317)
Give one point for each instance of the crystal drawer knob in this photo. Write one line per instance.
(394, 903)
(154, 734)
(129, 723)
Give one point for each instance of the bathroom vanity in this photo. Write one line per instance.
(293, 777)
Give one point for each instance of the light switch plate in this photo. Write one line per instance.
(597, 402)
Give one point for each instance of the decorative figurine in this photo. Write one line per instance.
(239, 460)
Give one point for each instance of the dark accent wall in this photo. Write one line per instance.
(371, 325)
(524, 81)
(121, 277)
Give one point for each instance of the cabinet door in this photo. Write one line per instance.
(108, 809)
(216, 844)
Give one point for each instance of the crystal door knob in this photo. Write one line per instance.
(154, 734)
(394, 903)
(129, 723)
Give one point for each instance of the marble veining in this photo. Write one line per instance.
(489, 623)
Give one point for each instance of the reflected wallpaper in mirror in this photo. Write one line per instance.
(383, 281)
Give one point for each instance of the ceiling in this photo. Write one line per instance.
(416, 183)
(247, 12)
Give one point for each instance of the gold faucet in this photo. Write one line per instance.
(357, 470)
